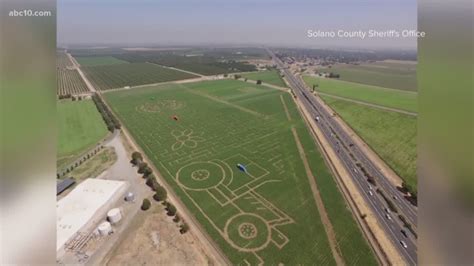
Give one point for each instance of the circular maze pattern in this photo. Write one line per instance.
(158, 106)
(247, 232)
(200, 175)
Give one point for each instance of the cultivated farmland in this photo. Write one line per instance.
(62, 60)
(266, 214)
(391, 98)
(201, 64)
(391, 135)
(106, 77)
(394, 75)
(70, 82)
(98, 60)
(80, 127)
(237, 54)
(270, 77)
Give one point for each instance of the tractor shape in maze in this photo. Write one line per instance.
(254, 225)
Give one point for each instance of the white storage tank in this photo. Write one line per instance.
(104, 228)
(114, 215)
(129, 197)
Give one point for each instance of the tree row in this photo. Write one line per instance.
(110, 120)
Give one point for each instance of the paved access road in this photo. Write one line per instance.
(349, 154)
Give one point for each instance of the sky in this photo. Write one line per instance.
(232, 22)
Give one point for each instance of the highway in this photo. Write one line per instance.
(351, 156)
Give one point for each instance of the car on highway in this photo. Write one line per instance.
(404, 233)
(337, 139)
(403, 244)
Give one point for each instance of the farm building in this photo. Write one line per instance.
(64, 184)
(84, 207)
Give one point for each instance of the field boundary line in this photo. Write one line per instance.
(386, 108)
(368, 85)
(86, 80)
(369, 69)
(265, 84)
(288, 116)
(240, 73)
(180, 81)
(226, 103)
(336, 252)
(179, 69)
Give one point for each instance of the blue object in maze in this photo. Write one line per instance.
(242, 168)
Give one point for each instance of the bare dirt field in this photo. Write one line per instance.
(154, 239)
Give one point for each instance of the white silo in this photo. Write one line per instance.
(104, 228)
(129, 197)
(114, 215)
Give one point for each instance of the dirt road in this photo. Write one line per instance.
(336, 252)
(369, 104)
(77, 66)
(178, 69)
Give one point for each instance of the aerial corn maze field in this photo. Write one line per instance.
(242, 160)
